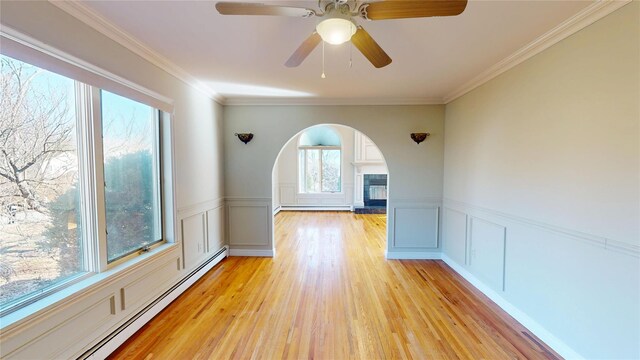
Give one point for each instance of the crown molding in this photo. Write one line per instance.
(331, 101)
(83, 13)
(584, 18)
(96, 21)
(579, 21)
(32, 43)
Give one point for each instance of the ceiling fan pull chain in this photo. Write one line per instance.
(323, 76)
(350, 54)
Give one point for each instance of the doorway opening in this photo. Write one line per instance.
(331, 168)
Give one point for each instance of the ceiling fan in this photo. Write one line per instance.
(337, 23)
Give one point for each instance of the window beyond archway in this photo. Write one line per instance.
(319, 161)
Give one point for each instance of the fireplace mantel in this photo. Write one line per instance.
(368, 160)
(360, 164)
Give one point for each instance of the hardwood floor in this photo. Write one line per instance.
(330, 294)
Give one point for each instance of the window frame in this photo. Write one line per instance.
(100, 190)
(302, 179)
(88, 123)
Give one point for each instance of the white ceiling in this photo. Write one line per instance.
(242, 57)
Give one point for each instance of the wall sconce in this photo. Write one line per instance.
(244, 137)
(419, 137)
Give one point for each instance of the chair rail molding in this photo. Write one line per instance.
(603, 242)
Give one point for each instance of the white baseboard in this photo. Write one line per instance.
(113, 343)
(316, 208)
(276, 210)
(412, 255)
(538, 330)
(252, 252)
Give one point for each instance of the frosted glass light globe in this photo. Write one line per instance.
(336, 30)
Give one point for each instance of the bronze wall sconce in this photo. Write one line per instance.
(244, 137)
(419, 137)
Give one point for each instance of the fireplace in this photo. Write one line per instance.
(375, 190)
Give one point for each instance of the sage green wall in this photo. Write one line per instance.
(556, 138)
(549, 152)
(415, 171)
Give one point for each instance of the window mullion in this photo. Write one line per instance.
(85, 174)
(320, 170)
(157, 170)
(303, 171)
(98, 187)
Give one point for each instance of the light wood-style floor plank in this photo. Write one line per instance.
(330, 294)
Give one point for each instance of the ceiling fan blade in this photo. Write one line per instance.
(370, 48)
(235, 8)
(402, 9)
(304, 50)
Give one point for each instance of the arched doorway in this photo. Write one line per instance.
(330, 167)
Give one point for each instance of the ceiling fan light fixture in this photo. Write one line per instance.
(336, 30)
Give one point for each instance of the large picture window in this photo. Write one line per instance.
(70, 155)
(319, 169)
(319, 164)
(40, 214)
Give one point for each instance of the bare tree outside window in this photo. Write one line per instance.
(131, 171)
(319, 170)
(39, 237)
(42, 192)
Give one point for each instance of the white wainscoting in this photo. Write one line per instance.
(413, 228)
(75, 319)
(289, 197)
(216, 229)
(287, 194)
(202, 230)
(91, 318)
(575, 291)
(141, 290)
(73, 324)
(454, 228)
(249, 224)
(487, 242)
(193, 239)
(118, 337)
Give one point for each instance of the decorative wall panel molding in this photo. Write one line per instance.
(454, 235)
(562, 348)
(414, 226)
(215, 229)
(609, 244)
(141, 290)
(249, 223)
(545, 275)
(193, 239)
(486, 243)
(197, 208)
(85, 321)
